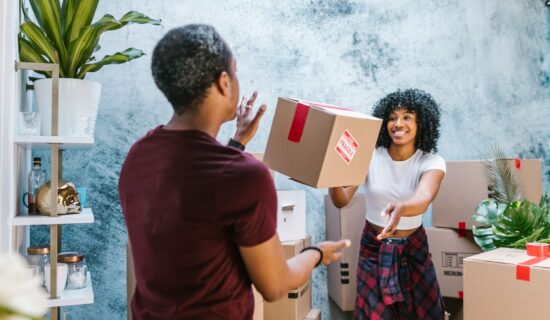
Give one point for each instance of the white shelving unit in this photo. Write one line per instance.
(20, 221)
(74, 297)
(45, 142)
(87, 216)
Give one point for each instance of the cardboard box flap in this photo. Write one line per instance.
(508, 256)
(337, 110)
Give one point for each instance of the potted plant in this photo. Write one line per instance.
(506, 219)
(64, 34)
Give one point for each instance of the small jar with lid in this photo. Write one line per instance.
(76, 276)
(39, 256)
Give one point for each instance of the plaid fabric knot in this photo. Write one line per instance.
(389, 259)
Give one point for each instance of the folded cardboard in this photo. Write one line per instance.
(296, 304)
(291, 214)
(313, 314)
(321, 145)
(466, 184)
(345, 223)
(258, 305)
(260, 156)
(448, 248)
(496, 287)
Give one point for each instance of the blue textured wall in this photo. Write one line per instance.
(486, 62)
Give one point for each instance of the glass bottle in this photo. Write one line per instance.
(37, 177)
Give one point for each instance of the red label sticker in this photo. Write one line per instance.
(347, 147)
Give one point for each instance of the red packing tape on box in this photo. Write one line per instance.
(462, 233)
(541, 251)
(300, 117)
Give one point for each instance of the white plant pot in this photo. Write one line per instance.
(78, 105)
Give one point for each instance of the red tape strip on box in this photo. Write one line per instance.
(541, 251)
(518, 163)
(462, 229)
(298, 122)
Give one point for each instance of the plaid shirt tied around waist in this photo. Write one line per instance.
(396, 279)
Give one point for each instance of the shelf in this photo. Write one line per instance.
(44, 142)
(74, 297)
(86, 216)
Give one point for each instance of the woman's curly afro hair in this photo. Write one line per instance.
(427, 117)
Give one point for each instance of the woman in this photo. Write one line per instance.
(395, 277)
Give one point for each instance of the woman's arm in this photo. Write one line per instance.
(427, 189)
(341, 196)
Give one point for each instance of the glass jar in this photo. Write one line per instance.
(76, 276)
(39, 256)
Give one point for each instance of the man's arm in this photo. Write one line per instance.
(274, 276)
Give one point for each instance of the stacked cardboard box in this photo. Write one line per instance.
(450, 240)
(345, 223)
(297, 303)
(506, 284)
(466, 184)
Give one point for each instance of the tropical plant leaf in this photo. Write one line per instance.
(48, 16)
(137, 17)
(503, 185)
(39, 41)
(117, 58)
(28, 54)
(483, 237)
(487, 211)
(68, 11)
(82, 18)
(65, 35)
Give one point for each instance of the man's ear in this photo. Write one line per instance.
(223, 83)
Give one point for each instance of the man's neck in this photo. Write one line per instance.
(193, 121)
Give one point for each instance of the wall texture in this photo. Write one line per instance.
(486, 62)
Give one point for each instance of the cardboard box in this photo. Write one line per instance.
(493, 290)
(258, 305)
(294, 306)
(319, 145)
(313, 314)
(448, 248)
(260, 156)
(466, 184)
(297, 303)
(130, 279)
(291, 214)
(345, 223)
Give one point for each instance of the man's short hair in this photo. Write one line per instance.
(186, 61)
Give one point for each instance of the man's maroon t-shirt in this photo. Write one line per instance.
(189, 203)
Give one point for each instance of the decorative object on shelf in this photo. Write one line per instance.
(76, 278)
(65, 35)
(68, 201)
(39, 256)
(62, 271)
(28, 123)
(509, 221)
(36, 179)
(82, 194)
(21, 296)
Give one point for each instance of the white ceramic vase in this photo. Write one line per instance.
(78, 106)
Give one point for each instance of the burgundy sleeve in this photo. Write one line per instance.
(257, 221)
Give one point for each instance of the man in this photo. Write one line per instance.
(201, 216)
